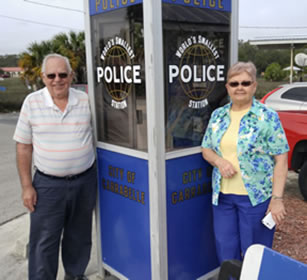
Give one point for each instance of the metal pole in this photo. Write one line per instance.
(156, 136)
(90, 82)
(291, 63)
(234, 31)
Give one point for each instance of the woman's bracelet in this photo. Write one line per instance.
(277, 197)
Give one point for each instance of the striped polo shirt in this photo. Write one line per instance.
(62, 141)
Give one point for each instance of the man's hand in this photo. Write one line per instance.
(29, 198)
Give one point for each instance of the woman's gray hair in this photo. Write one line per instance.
(240, 67)
(55, 55)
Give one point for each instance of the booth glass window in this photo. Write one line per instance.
(196, 56)
(118, 54)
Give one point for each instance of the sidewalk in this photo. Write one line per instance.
(13, 245)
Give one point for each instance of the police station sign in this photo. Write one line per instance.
(118, 73)
(197, 70)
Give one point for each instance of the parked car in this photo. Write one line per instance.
(295, 126)
(287, 97)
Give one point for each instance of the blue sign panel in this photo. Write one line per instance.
(277, 266)
(221, 5)
(102, 6)
(124, 212)
(191, 246)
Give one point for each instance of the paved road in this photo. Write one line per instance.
(10, 202)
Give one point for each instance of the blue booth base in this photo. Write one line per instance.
(125, 216)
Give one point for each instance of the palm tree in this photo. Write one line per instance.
(72, 46)
(31, 62)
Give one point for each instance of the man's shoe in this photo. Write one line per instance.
(80, 277)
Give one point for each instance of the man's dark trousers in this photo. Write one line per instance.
(64, 210)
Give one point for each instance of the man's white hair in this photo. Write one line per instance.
(56, 55)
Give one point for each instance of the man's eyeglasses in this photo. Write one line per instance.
(243, 84)
(53, 75)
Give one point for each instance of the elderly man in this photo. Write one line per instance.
(54, 128)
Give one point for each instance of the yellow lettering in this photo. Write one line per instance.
(191, 176)
(105, 4)
(184, 178)
(137, 196)
(212, 3)
(97, 4)
(180, 196)
(174, 197)
(111, 4)
(125, 191)
(204, 3)
(186, 193)
(196, 3)
(187, 1)
(124, 2)
(220, 4)
(193, 192)
(116, 188)
(142, 197)
(116, 172)
(131, 177)
(133, 194)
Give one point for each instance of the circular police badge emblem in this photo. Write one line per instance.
(117, 71)
(197, 70)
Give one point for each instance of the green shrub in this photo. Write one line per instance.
(274, 72)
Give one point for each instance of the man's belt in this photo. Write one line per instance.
(67, 177)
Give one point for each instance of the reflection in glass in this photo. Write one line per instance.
(118, 48)
(196, 58)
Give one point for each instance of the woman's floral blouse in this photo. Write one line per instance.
(261, 136)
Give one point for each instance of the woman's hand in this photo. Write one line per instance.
(226, 168)
(277, 208)
(276, 205)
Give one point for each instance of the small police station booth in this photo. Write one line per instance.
(156, 69)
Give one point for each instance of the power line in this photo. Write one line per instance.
(54, 6)
(39, 23)
(273, 27)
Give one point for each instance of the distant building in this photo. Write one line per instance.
(12, 71)
(273, 42)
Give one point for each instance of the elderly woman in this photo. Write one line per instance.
(247, 146)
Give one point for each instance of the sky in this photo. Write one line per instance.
(23, 22)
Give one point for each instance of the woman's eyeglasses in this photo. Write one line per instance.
(61, 75)
(243, 84)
